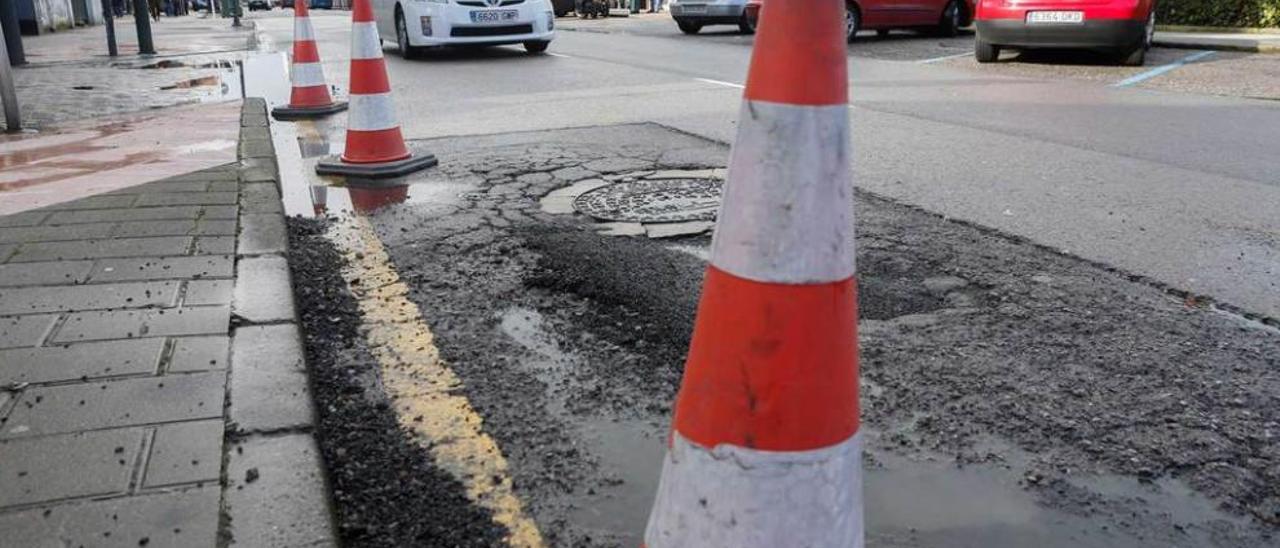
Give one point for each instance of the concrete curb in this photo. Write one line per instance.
(275, 491)
(1217, 46)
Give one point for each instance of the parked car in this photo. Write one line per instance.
(255, 5)
(562, 7)
(415, 24)
(1123, 28)
(943, 17)
(692, 15)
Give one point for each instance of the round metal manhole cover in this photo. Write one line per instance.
(653, 201)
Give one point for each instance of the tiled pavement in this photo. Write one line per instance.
(152, 385)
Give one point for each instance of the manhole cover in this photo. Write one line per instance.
(654, 201)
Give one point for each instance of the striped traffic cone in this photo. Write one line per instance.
(765, 450)
(310, 95)
(375, 148)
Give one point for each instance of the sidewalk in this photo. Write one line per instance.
(1232, 41)
(153, 384)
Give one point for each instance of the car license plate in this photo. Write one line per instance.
(1055, 17)
(494, 16)
(695, 8)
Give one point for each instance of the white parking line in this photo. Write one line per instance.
(945, 57)
(720, 83)
(554, 54)
(1161, 69)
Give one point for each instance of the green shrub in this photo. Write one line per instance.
(1219, 13)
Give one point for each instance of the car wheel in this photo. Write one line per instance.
(402, 37)
(952, 18)
(689, 27)
(1134, 58)
(985, 52)
(852, 21)
(536, 47)
(746, 25)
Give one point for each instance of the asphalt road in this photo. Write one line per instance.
(1177, 187)
(1014, 394)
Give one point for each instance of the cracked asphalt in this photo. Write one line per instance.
(1013, 395)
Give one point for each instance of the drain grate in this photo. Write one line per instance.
(653, 201)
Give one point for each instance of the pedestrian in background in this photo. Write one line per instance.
(655, 6)
(154, 5)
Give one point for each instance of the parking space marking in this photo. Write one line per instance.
(554, 54)
(423, 390)
(721, 83)
(1161, 69)
(945, 57)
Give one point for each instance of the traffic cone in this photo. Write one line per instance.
(310, 95)
(371, 199)
(765, 450)
(375, 148)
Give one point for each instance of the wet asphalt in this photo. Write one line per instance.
(1012, 395)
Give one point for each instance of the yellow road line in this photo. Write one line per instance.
(422, 388)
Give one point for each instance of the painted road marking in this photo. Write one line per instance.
(720, 83)
(1161, 69)
(422, 388)
(554, 54)
(945, 57)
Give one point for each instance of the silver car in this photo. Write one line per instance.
(692, 15)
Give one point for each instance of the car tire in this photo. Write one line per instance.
(985, 52)
(1138, 56)
(689, 27)
(745, 25)
(952, 19)
(535, 47)
(852, 22)
(402, 37)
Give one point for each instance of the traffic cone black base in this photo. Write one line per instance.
(300, 113)
(334, 165)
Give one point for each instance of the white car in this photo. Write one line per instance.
(416, 24)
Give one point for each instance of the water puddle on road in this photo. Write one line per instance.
(628, 451)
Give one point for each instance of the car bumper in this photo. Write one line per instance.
(707, 12)
(1098, 33)
(433, 24)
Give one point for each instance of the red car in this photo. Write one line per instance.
(1121, 27)
(944, 17)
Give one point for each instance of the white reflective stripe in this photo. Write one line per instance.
(302, 31)
(744, 498)
(307, 75)
(364, 41)
(371, 112)
(787, 213)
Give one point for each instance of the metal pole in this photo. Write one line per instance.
(142, 18)
(12, 118)
(12, 34)
(109, 19)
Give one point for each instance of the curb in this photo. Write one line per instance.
(1256, 48)
(275, 491)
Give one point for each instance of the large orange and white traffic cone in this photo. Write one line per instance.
(309, 97)
(375, 147)
(765, 450)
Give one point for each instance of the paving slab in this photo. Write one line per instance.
(26, 218)
(34, 300)
(268, 379)
(262, 291)
(60, 272)
(111, 215)
(215, 245)
(20, 331)
(286, 503)
(35, 470)
(85, 231)
(208, 292)
(128, 324)
(81, 361)
(92, 249)
(262, 233)
(177, 518)
(185, 452)
(163, 268)
(126, 402)
(200, 353)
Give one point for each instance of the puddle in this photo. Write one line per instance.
(629, 451)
